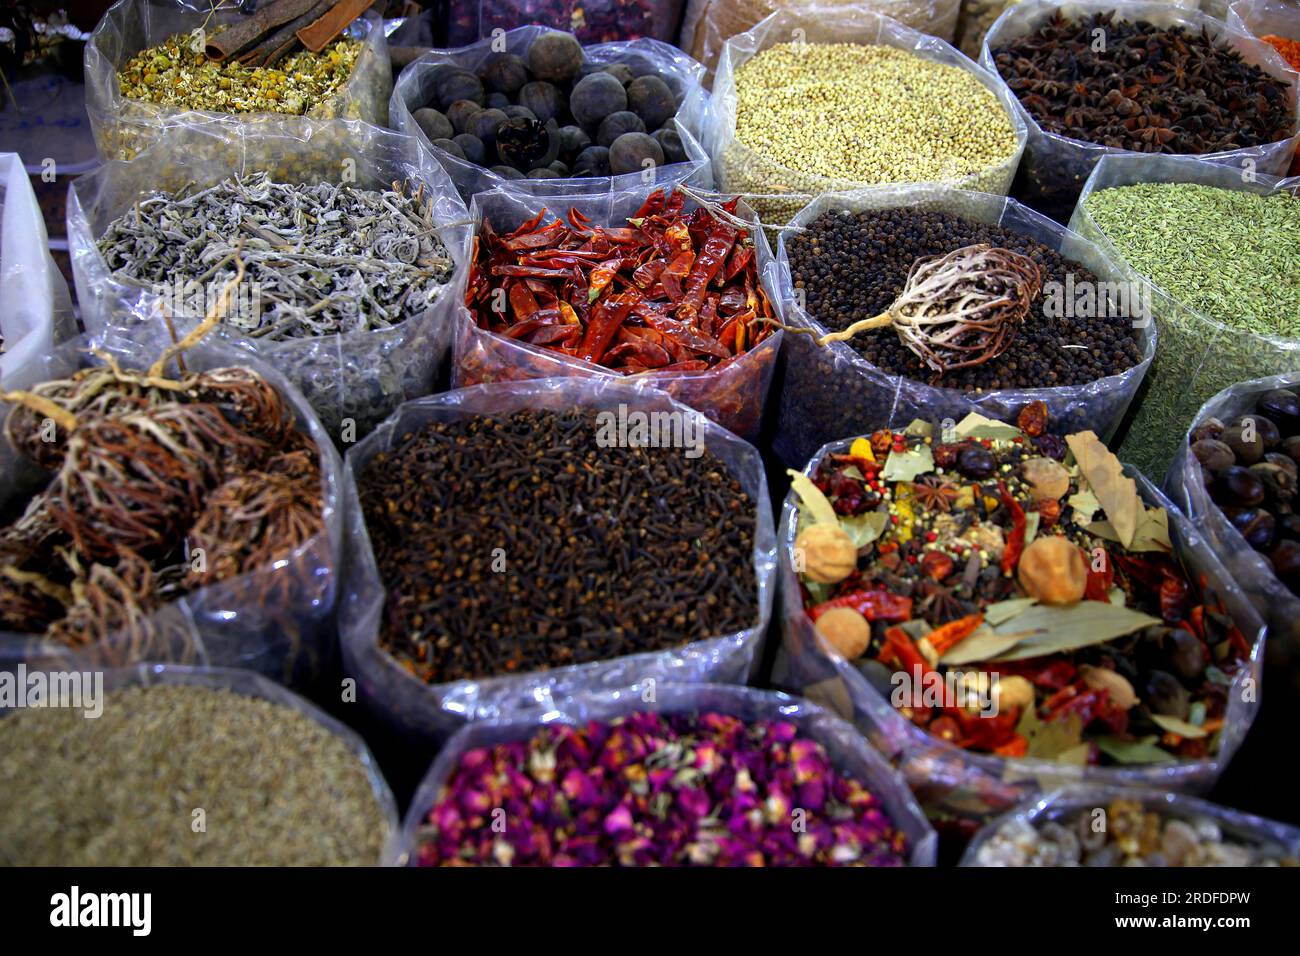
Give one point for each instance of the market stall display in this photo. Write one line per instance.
(1277, 23)
(591, 21)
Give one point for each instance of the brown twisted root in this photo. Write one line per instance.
(111, 602)
(247, 400)
(29, 602)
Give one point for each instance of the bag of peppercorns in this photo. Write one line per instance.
(573, 310)
(1235, 477)
(591, 21)
(690, 775)
(534, 111)
(148, 70)
(1126, 109)
(514, 543)
(956, 597)
(1083, 348)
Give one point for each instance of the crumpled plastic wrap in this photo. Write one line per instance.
(732, 396)
(950, 781)
(35, 310)
(357, 377)
(591, 21)
(848, 751)
(776, 192)
(832, 392)
(710, 23)
(1067, 802)
(230, 623)
(1199, 356)
(1251, 572)
(432, 712)
(124, 127)
(1055, 168)
(413, 90)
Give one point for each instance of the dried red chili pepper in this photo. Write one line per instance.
(873, 605)
(1015, 545)
(1099, 582)
(1174, 593)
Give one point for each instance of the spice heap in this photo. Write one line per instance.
(860, 114)
(533, 541)
(649, 789)
(1290, 49)
(1146, 89)
(1230, 254)
(1250, 468)
(553, 114)
(1132, 836)
(158, 487)
(1024, 571)
(175, 74)
(669, 292)
(322, 259)
(850, 266)
(122, 789)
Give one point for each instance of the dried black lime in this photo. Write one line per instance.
(633, 152)
(555, 57)
(433, 124)
(616, 124)
(544, 100)
(462, 113)
(595, 97)
(506, 74)
(526, 144)
(457, 84)
(650, 98)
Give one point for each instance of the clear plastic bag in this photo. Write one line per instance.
(740, 169)
(124, 127)
(950, 781)
(1066, 803)
(414, 88)
(710, 23)
(591, 21)
(732, 396)
(830, 392)
(432, 712)
(357, 377)
(1251, 572)
(847, 750)
(35, 310)
(248, 684)
(1199, 356)
(228, 624)
(1055, 168)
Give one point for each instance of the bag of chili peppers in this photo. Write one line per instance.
(1209, 244)
(148, 70)
(963, 600)
(761, 750)
(514, 543)
(1112, 826)
(591, 21)
(35, 310)
(352, 241)
(422, 106)
(710, 23)
(1277, 24)
(1236, 453)
(1083, 331)
(817, 100)
(1122, 111)
(536, 309)
(168, 512)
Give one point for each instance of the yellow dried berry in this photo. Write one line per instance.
(1053, 571)
(828, 553)
(846, 630)
(1047, 479)
(1117, 688)
(1013, 692)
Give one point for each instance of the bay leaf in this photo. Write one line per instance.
(1182, 728)
(976, 425)
(1002, 611)
(919, 426)
(1055, 737)
(1153, 532)
(1105, 476)
(906, 466)
(1085, 505)
(1141, 751)
(982, 644)
(1054, 630)
(817, 504)
(865, 528)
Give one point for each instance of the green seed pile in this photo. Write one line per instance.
(807, 113)
(1228, 254)
(275, 788)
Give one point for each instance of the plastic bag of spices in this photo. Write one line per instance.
(1265, 18)
(391, 281)
(1055, 167)
(124, 126)
(591, 21)
(972, 139)
(731, 392)
(35, 310)
(1083, 826)
(1200, 354)
(710, 23)
(431, 711)
(1251, 570)
(831, 391)
(416, 88)
(846, 752)
(959, 786)
(277, 620)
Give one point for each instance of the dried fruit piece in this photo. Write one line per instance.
(1052, 570)
(829, 555)
(846, 630)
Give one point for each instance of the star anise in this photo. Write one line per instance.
(935, 493)
(938, 604)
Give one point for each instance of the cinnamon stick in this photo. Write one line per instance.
(252, 28)
(273, 48)
(317, 36)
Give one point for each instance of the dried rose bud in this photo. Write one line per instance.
(945, 456)
(1032, 419)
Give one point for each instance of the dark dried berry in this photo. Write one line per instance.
(1237, 487)
(1165, 695)
(1255, 524)
(977, 463)
(1051, 446)
(450, 147)
(573, 140)
(619, 71)
(592, 161)
(485, 126)
(1214, 454)
(1286, 563)
(1210, 428)
(1245, 440)
(1185, 654)
(1282, 406)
